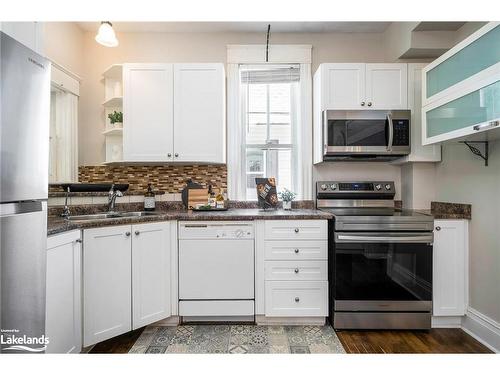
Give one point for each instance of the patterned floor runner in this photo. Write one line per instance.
(238, 339)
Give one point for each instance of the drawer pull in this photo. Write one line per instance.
(296, 270)
(296, 230)
(297, 299)
(296, 251)
(127, 234)
(137, 232)
(438, 228)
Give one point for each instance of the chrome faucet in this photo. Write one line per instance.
(112, 197)
(66, 212)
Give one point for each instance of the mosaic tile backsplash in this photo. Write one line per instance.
(167, 178)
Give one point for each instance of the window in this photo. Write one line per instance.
(269, 99)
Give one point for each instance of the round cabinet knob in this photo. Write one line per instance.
(127, 234)
(169, 155)
(438, 228)
(296, 230)
(378, 186)
(369, 104)
(79, 240)
(297, 299)
(323, 187)
(333, 186)
(137, 232)
(387, 187)
(296, 251)
(176, 155)
(296, 270)
(362, 104)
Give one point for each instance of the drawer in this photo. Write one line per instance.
(296, 250)
(296, 298)
(296, 230)
(296, 270)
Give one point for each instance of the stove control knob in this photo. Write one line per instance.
(378, 186)
(333, 186)
(239, 233)
(324, 187)
(387, 187)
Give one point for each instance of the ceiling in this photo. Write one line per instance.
(284, 27)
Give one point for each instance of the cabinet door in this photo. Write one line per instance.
(386, 86)
(344, 86)
(63, 324)
(150, 273)
(148, 112)
(199, 113)
(106, 283)
(449, 267)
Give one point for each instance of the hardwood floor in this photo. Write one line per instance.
(442, 340)
(437, 340)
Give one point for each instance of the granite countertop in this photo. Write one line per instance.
(445, 210)
(56, 224)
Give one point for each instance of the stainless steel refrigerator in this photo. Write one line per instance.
(24, 152)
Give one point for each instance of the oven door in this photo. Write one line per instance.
(366, 132)
(383, 271)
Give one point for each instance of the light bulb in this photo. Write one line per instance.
(106, 35)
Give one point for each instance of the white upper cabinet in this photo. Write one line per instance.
(344, 85)
(148, 112)
(174, 113)
(199, 113)
(150, 273)
(358, 86)
(450, 267)
(28, 33)
(386, 86)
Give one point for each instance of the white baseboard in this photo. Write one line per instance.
(482, 328)
(446, 322)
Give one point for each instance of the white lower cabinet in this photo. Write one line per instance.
(450, 267)
(151, 299)
(292, 268)
(126, 277)
(63, 324)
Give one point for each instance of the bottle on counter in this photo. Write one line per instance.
(211, 197)
(149, 199)
(219, 199)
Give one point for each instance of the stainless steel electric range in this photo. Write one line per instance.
(380, 258)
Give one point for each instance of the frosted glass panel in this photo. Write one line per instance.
(474, 108)
(477, 56)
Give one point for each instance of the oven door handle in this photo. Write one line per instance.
(363, 238)
(391, 131)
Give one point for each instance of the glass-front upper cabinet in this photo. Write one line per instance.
(461, 93)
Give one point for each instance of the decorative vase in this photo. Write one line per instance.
(117, 125)
(287, 205)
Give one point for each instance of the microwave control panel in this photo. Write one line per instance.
(401, 132)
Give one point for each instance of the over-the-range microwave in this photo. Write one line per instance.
(376, 135)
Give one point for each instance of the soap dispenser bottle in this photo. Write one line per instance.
(149, 199)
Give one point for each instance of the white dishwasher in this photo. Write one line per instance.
(216, 271)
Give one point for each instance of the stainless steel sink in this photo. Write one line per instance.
(94, 216)
(110, 215)
(137, 214)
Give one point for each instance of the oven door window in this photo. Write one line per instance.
(358, 133)
(383, 271)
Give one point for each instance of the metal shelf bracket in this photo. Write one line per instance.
(478, 152)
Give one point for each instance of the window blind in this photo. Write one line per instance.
(277, 75)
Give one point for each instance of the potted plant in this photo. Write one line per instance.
(287, 197)
(116, 119)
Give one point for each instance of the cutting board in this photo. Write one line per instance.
(197, 196)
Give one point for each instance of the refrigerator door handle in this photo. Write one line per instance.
(8, 209)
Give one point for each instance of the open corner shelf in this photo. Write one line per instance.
(113, 72)
(113, 102)
(113, 131)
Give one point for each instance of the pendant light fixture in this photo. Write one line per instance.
(106, 35)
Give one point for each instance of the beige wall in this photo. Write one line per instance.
(462, 177)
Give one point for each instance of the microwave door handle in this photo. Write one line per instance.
(391, 131)
(325, 131)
